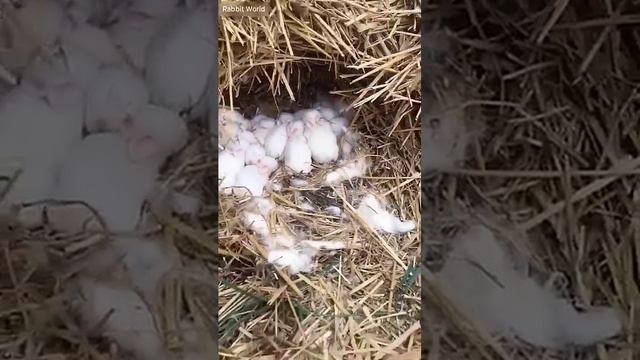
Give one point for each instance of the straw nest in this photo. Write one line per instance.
(362, 302)
(559, 157)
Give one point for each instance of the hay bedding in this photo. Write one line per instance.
(557, 161)
(360, 302)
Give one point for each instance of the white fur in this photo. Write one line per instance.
(294, 260)
(230, 124)
(85, 50)
(100, 172)
(253, 153)
(445, 137)
(297, 155)
(116, 93)
(96, 42)
(189, 34)
(166, 127)
(121, 314)
(275, 141)
(322, 141)
(374, 214)
(132, 34)
(349, 170)
(255, 222)
(34, 26)
(482, 282)
(229, 165)
(251, 179)
(34, 137)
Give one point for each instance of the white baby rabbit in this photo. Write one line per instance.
(36, 137)
(230, 162)
(261, 125)
(47, 68)
(167, 128)
(132, 34)
(321, 138)
(109, 174)
(148, 262)
(348, 170)
(116, 94)
(31, 27)
(84, 51)
(294, 260)
(189, 34)
(276, 140)
(347, 143)
(285, 118)
(253, 153)
(297, 155)
(255, 216)
(327, 112)
(446, 134)
(334, 107)
(481, 280)
(96, 42)
(120, 313)
(243, 141)
(268, 163)
(66, 99)
(255, 222)
(252, 179)
(339, 125)
(247, 137)
(230, 124)
(262, 121)
(374, 214)
(60, 65)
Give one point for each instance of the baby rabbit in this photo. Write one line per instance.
(118, 311)
(112, 174)
(268, 163)
(188, 34)
(36, 136)
(230, 162)
(35, 25)
(445, 130)
(374, 214)
(297, 154)
(78, 58)
(167, 130)
(252, 179)
(285, 118)
(253, 153)
(262, 125)
(321, 138)
(116, 93)
(276, 140)
(132, 34)
(230, 124)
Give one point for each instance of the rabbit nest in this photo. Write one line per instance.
(363, 301)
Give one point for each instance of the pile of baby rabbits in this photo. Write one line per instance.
(252, 150)
(97, 97)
